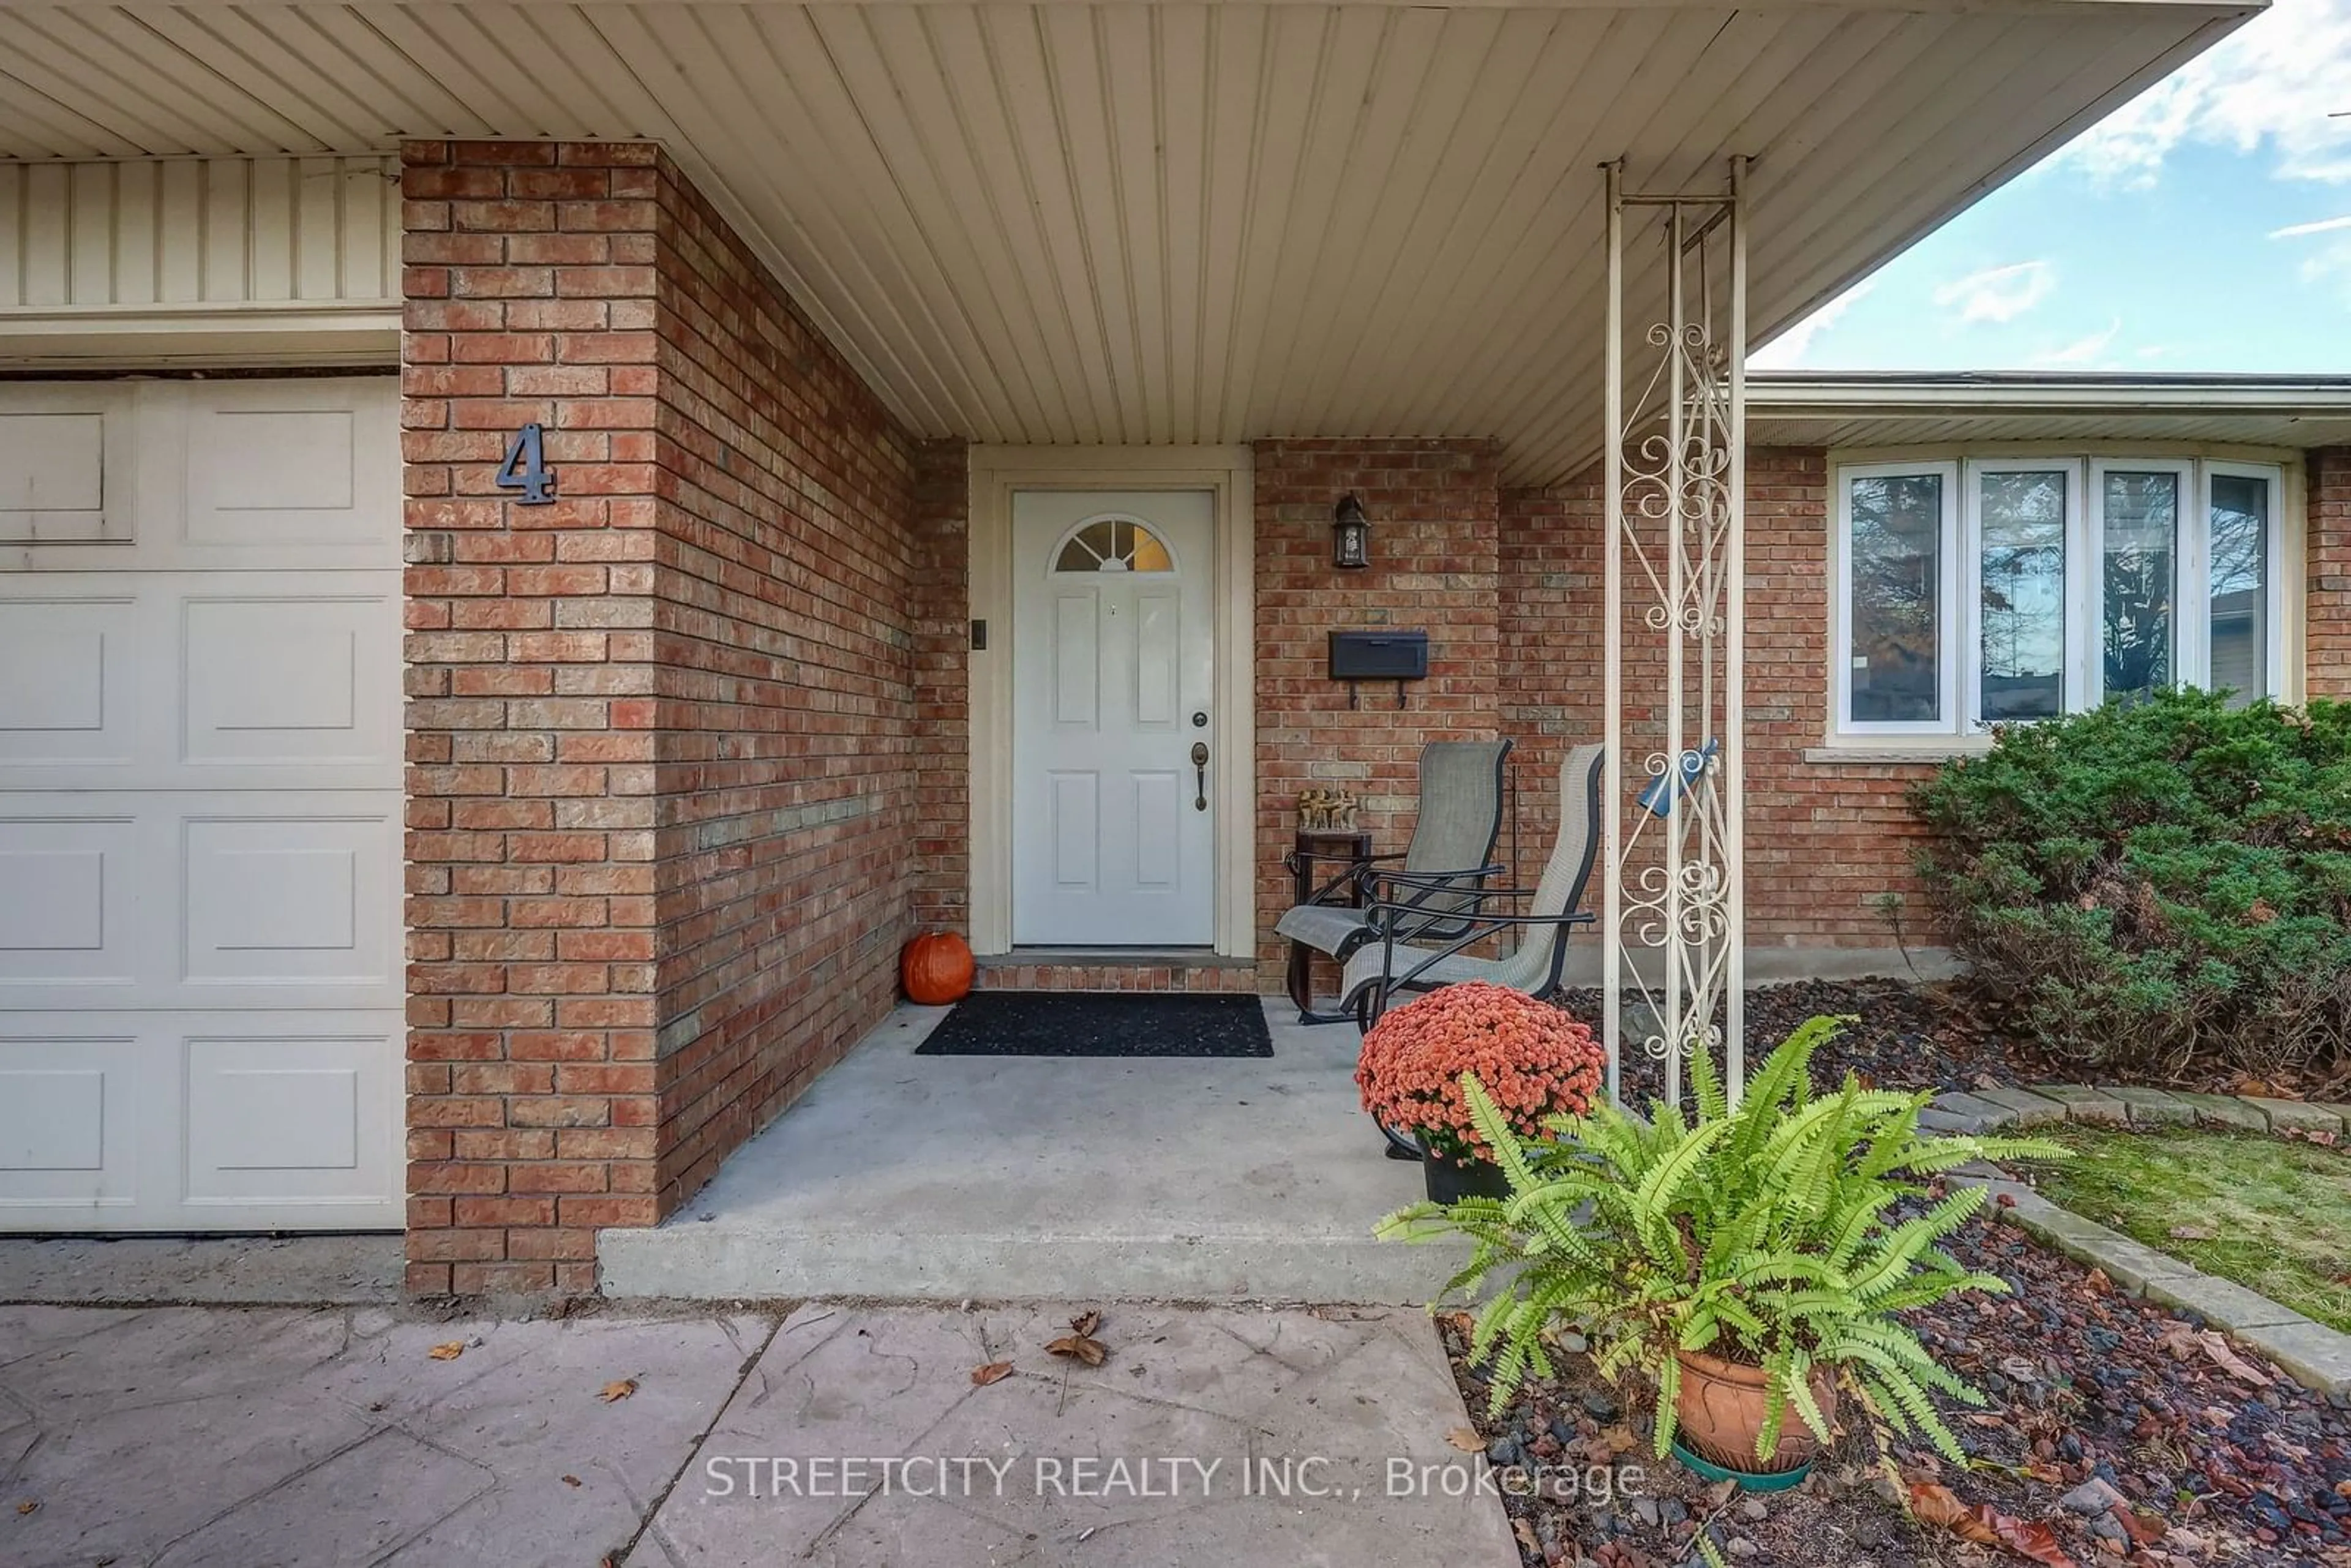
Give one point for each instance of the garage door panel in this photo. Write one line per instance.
(201, 975)
(281, 901)
(68, 663)
(277, 463)
(65, 466)
(68, 911)
(292, 680)
(200, 899)
(290, 1119)
(69, 1115)
(129, 1121)
(174, 680)
(272, 476)
(263, 476)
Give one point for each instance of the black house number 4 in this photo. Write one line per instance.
(525, 468)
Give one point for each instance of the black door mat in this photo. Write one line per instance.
(1100, 1023)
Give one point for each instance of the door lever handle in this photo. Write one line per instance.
(1199, 776)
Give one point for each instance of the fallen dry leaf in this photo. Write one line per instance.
(1525, 1532)
(23, 1508)
(1934, 1503)
(1085, 1322)
(2144, 1530)
(618, 1389)
(2097, 1282)
(450, 1351)
(1986, 1525)
(994, 1372)
(2227, 1360)
(1080, 1347)
(1466, 1439)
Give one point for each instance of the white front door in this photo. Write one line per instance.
(1113, 816)
(200, 805)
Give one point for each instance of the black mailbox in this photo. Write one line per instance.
(1379, 655)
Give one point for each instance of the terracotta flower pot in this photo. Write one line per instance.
(1721, 1408)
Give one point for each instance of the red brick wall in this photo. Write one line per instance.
(1433, 507)
(531, 719)
(942, 690)
(2329, 570)
(1823, 841)
(661, 731)
(783, 643)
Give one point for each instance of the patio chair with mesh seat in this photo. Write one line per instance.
(1385, 964)
(1450, 858)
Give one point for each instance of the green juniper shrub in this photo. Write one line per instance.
(2155, 887)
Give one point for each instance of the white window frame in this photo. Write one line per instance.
(2073, 669)
(2273, 607)
(2194, 503)
(1950, 627)
(1960, 583)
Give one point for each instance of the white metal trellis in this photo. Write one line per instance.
(1673, 930)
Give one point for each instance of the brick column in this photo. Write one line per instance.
(531, 719)
(668, 789)
(2328, 569)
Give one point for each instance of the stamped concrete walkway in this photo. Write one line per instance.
(845, 1437)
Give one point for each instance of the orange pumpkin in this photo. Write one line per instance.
(936, 968)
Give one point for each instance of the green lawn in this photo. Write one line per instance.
(2273, 1216)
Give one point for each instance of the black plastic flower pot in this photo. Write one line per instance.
(1450, 1180)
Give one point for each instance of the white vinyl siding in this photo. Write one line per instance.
(2055, 583)
(217, 233)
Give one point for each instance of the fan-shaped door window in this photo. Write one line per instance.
(1112, 544)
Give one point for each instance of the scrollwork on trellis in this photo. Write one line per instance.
(1676, 523)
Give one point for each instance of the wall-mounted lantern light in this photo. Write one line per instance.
(1351, 535)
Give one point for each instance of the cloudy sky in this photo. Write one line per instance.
(2204, 226)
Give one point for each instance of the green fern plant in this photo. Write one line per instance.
(1767, 1235)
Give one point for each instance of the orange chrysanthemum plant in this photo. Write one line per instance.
(1535, 1062)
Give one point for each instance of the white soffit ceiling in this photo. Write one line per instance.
(1134, 222)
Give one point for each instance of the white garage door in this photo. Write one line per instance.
(200, 807)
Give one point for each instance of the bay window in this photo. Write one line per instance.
(1984, 591)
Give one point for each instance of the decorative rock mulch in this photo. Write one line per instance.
(1908, 1036)
(2098, 1398)
(2316, 1356)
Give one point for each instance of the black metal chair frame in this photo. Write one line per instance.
(1363, 872)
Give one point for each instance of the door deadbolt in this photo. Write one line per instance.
(1199, 776)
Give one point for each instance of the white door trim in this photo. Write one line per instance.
(1229, 472)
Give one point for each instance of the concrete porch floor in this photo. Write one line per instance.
(1004, 1178)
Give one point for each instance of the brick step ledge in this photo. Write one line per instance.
(1114, 969)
